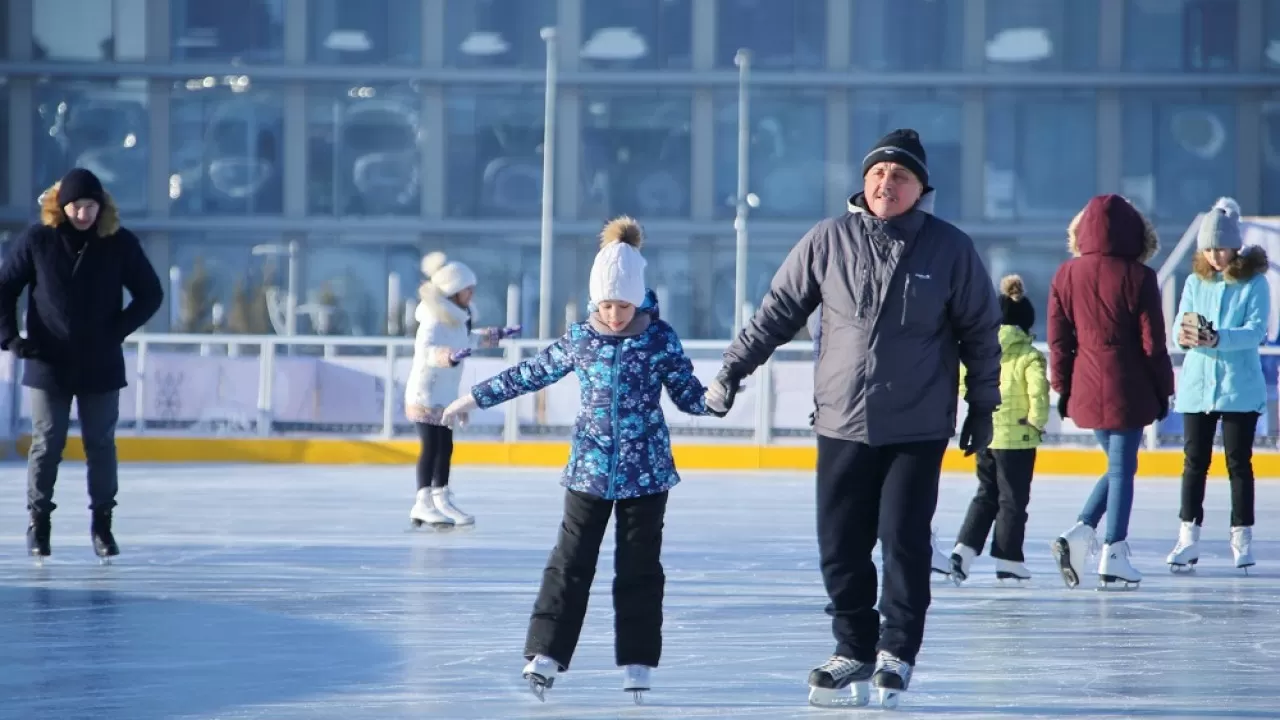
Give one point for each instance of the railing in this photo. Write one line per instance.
(272, 386)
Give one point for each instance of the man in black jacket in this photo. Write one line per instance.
(77, 263)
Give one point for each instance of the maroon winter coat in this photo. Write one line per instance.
(1106, 326)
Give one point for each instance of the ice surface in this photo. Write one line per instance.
(291, 593)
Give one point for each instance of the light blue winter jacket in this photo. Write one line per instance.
(1228, 377)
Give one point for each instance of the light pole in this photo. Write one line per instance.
(743, 60)
(291, 294)
(548, 183)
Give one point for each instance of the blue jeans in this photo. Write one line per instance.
(1113, 495)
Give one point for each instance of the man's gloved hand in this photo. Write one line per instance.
(813, 417)
(1164, 409)
(721, 393)
(23, 348)
(459, 355)
(977, 432)
(1062, 405)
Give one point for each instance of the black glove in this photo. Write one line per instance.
(23, 348)
(721, 392)
(1164, 409)
(1062, 405)
(813, 416)
(977, 433)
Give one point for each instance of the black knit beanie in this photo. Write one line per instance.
(902, 147)
(79, 184)
(1015, 308)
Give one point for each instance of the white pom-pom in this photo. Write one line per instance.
(1227, 205)
(432, 263)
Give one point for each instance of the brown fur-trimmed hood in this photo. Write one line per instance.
(1106, 225)
(51, 214)
(1249, 262)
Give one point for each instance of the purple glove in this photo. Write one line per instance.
(509, 331)
(459, 356)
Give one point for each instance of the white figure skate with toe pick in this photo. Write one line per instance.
(424, 512)
(1012, 571)
(1072, 550)
(1186, 553)
(1242, 547)
(541, 674)
(1115, 572)
(442, 498)
(635, 680)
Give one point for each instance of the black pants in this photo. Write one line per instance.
(50, 421)
(436, 455)
(1004, 491)
(638, 583)
(865, 492)
(1237, 440)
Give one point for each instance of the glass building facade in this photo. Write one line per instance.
(369, 132)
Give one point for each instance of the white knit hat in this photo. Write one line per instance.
(449, 278)
(618, 271)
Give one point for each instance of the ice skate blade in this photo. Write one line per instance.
(539, 685)
(1182, 568)
(438, 527)
(1111, 583)
(104, 559)
(889, 698)
(857, 694)
(637, 694)
(1062, 554)
(1010, 580)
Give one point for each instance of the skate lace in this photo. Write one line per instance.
(839, 666)
(889, 663)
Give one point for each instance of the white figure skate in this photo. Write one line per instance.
(442, 498)
(1242, 547)
(1115, 572)
(635, 680)
(1072, 551)
(940, 563)
(424, 512)
(1012, 571)
(961, 558)
(840, 682)
(541, 674)
(1186, 553)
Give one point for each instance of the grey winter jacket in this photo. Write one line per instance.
(904, 301)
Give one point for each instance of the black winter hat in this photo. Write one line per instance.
(902, 147)
(1015, 308)
(80, 184)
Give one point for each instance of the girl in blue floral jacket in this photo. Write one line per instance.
(619, 462)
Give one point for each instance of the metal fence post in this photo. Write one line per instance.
(389, 394)
(140, 390)
(266, 385)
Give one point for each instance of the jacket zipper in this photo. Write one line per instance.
(906, 291)
(617, 432)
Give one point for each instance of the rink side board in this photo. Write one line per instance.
(359, 451)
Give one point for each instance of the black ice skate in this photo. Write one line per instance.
(891, 678)
(541, 674)
(38, 532)
(104, 543)
(840, 682)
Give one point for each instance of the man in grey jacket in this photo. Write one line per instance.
(905, 299)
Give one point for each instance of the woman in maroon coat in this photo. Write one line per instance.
(1110, 367)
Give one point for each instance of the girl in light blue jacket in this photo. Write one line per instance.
(1221, 322)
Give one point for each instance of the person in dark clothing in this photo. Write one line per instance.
(905, 299)
(76, 263)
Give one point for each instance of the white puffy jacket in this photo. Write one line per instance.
(442, 330)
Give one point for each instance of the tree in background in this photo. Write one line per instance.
(195, 308)
(248, 312)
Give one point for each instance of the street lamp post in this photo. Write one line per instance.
(548, 184)
(289, 250)
(743, 60)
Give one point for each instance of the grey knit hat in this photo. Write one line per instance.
(1220, 227)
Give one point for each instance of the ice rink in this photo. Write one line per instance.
(299, 593)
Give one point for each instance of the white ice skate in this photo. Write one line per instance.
(1012, 571)
(424, 512)
(891, 678)
(1242, 547)
(941, 563)
(635, 680)
(541, 674)
(840, 682)
(1115, 572)
(961, 558)
(1072, 551)
(442, 497)
(1186, 553)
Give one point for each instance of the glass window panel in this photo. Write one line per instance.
(645, 34)
(1035, 259)
(787, 162)
(764, 257)
(635, 154)
(364, 150)
(346, 289)
(907, 35)
(221, 270)
(497, 33)
(100, 126)
(780, 35)
(494, 151)
(1045, 35)
(1180, 35)
(1041, 151)
(669, 273)
(1271, 36)
(97, 30)
(368, 32)
(249, 31)
(500, 262)
(226, 156)
(937, 116)
(1179, 152)
(1270, 141)
(5, 165)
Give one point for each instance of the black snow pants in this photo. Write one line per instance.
(1004, 491)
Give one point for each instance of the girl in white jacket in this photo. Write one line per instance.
(445, 338)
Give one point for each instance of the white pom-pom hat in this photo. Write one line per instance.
(618, 270)
(450, 278)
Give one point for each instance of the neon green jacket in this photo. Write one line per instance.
(1024, 392)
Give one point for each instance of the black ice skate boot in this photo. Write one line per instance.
(104, 543)
(38, 532)
(839, 682)
(891, 679)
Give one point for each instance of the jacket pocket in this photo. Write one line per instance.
(922, 300)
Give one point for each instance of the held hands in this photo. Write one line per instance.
(977, 432)
(458, 410)
(721, 393)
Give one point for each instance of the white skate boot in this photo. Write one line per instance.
(891, 678)
(442, 497)
(1072, 551)
(424, 512)
(541, 674)
(840, 682)
(961, 558)
(635, 680)
(941, 563)
(1186, 553)
(1241, 547)
(1012, 570)
(1114, 569)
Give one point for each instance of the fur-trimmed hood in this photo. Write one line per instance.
(1249, 262)
(51, 214)
(434, 307)
(1111, 225)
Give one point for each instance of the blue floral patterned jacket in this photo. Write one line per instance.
(621, 447)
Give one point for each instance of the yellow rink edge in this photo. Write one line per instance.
(358, 451)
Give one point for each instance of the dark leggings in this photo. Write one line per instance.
(436, 455)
